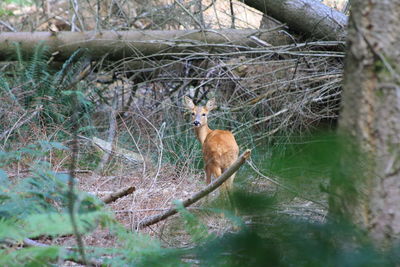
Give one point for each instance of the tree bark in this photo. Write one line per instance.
(135, 44)
(308, 17)
(371, 118)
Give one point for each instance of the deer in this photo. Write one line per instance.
(219, 147)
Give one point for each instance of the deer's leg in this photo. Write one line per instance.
(212, 172)
(229, 182)
(226, 189)
(208, 174)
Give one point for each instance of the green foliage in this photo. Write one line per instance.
(197, 230)
(277, 238)
(6, 12)
(293, 243)
(19, 2)
(287, 241)
(36, 206)
(34, 84)
(39, 192)
(34, 151)
(140, 250)
(181, 146)
(31, 256)
(311, 155)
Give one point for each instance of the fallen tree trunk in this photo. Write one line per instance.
(193, 199)
(308, 17)
(135, 44)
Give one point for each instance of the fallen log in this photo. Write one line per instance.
(116, 45)
(309, 17)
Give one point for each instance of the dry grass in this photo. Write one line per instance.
(152, 196)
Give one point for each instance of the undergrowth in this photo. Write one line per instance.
(35, 207)
(33, 86)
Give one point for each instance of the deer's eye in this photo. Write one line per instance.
(192, 113)
(204, 114)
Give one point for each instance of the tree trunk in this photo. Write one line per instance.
(308, 17)
(371, 117)
(136, 44)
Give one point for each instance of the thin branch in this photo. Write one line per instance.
(75, 15)
(189, 13)
(20, 122)
(232, 14)
(111, 133)
(8, 26)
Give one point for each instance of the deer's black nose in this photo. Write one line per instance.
(196, 123)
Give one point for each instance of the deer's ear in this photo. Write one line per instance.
(211, 104)
(188, 103)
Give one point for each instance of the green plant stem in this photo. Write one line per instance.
(71, 193)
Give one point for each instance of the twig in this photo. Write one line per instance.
(58, 172)
(116, 195)
(200, 11)
(189, 13)
(32, 243)
(260, 42)
(160, 147)
(148, 210)
(261, 120)
(194, 198)
(232, 14)
(111, 133)
(82, 75)
(19, 123)
(75, 8)
(136, 145)
(8, 26)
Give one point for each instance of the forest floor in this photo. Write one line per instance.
(155, 190)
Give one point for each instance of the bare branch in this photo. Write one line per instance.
(20, 122)
(116, 195)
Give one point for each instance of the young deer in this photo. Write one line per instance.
(220, 149)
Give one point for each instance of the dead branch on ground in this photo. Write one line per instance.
(116, 195)
(20, 122)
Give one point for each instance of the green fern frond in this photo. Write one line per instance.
(19, 55)
(66, 67)
(31, 256)
(37, 72)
